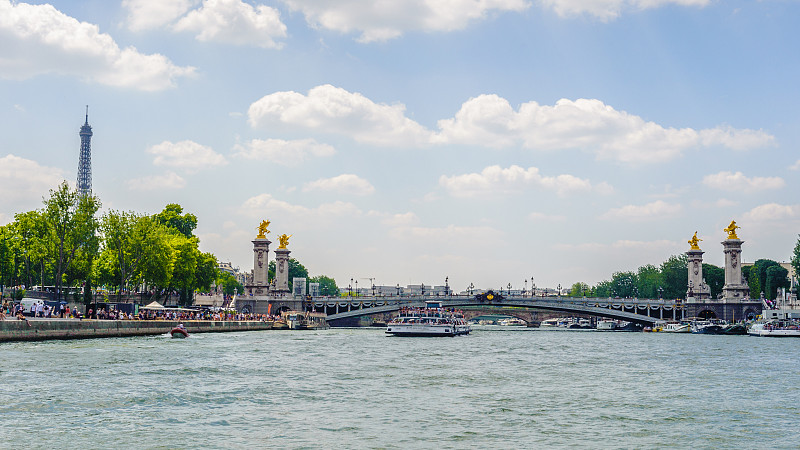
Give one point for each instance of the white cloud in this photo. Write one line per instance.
(343, 184)
(655, 210)
(186, 155)
(796, 165)
(334, 110)
(169, 180)
(772, 212)
(234, 22)
(490, 121)
(279, 151)
(401, 220)
(543, 217)
(660, 245)
(387, 19)
(611, 9)
(25, 182)
(729, 181)
(265, 205)
(515, 179)
(146, 14)
(445, 234)
(39, 39)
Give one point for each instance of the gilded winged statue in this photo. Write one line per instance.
(262, 229)
(283, 240)
(731, 230)
(694, 241)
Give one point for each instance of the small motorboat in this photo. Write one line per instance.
(179, 332)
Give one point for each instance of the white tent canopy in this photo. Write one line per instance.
(153, 305)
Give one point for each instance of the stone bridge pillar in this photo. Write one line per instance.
(282, 270)
(260, 266)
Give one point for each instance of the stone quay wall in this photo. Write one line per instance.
(43, 329)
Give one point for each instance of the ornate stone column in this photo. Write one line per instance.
(735, 289)
(261, 262)
(260, 282)
(282, 264)
(282, 269)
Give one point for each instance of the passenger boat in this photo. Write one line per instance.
(776, 328)
(707, 326)
(179, 332)
(299, 320)
(432, 320)
(512, 322)
(676, 327)
(606, 325)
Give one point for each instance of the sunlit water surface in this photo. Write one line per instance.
(357, 388)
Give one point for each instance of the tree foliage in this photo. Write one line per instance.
(715, 278)
(327, 285)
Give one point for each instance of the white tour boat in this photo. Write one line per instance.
(432, 320)
(606, 325)
(776, 328)
(676, 327)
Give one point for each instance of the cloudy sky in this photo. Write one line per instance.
(488, 141)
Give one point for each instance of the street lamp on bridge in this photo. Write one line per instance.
(525, 289)
(350, 288)
(398, 289)
(471, 287)
(447, 286)
(509, 289)
(660, 292)
(559, 289)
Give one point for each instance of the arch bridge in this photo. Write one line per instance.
(643, 311)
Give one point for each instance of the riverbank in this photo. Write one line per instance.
(47, 329)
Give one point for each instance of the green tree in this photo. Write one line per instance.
(603, 289)
(70, 217)
(675, 275)
(171, 217)
(623, 284)
(715, 278)
(579, 289)
(7, 237)
(796, 258)
(648, 280)
(32, 231)
(327, 285)
(296, 269)
(133, 243)
(762, 279)
(228, 283)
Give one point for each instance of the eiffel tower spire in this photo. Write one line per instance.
(84, 185)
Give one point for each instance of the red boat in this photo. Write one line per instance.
(179, 332)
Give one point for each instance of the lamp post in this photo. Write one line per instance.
(398, 289)
(660, 292)
(447, 286)
(471, 287)
(372, 281)
(559, 289)
(509, 289)
(533, 288)
(350, 288)
(525, 289)
(423, 289)
(356, 288)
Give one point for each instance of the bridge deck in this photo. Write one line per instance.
(579, 306)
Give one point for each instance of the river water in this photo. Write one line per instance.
(357, 388)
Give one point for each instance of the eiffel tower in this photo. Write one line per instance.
(84, 185)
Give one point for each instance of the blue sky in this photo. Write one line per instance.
(408, 141)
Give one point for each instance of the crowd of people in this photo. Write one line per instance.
(40, 309)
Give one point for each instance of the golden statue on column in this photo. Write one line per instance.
(694, 241)
(731, 230)
(283, 240)
(262, 229)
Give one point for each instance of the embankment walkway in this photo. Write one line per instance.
(46, 329)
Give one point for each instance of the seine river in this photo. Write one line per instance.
(356, 388)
